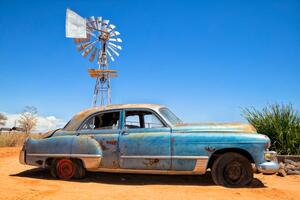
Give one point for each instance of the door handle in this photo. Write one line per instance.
(124, 132)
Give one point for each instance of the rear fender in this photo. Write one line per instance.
(87, 149)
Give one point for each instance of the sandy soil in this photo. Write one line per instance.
(24, 182)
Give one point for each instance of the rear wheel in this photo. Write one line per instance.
(232, 170)
(80, 170)
(63, 168)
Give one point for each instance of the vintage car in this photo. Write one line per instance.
(148, 138)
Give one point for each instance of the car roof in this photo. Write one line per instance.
(78, 118)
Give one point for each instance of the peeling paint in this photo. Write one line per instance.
(210, 149)
(150, 162)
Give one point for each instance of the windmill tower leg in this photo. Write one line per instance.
(96, 92)
(108, 91)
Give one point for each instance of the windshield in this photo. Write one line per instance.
(171, 117)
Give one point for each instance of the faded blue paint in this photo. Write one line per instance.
(108, 141)
(145, 142)
(196, 144)
(180, 140)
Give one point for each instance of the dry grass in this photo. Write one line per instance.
(15, 139)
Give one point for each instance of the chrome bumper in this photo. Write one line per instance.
(270, 166)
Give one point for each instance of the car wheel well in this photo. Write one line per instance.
(48, 161)
(220, 152)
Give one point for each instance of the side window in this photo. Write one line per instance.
(132, 120)
(142, 119)
(109, 120)
(151, 121)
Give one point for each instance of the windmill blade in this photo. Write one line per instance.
(87, 51)
(91, 20)
(91, 33)
(111, 27)
(105, 22)
(93, 55)
(75, 25)
(104, 25)
(80, 40)
(83, 46)
(113, 50)
(114, 45)
(114, 33)
(99, 23)
(115, 39)
(89, 26)
(110, 56)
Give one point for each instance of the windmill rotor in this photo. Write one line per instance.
(97, 40)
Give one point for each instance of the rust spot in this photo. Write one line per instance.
(150, 162)
(112, 142)
(102, 146)
(210, 149)
(115, 164)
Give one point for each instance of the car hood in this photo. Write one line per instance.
(215, 127)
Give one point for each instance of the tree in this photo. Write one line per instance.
(3, 119)
(28, 119)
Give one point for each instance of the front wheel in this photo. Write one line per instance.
(232, 170)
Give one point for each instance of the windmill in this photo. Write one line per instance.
(97, 40)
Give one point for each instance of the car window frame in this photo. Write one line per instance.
(166, 125)
(97, 113)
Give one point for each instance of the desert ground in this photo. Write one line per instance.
(24, 182)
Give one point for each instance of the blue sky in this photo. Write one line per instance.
(204, 59)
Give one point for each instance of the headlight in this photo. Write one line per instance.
(270, 155)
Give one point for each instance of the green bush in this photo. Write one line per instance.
(281, 123)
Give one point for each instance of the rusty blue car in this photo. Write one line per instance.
(150, 139)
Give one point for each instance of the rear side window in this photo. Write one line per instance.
(109, 120)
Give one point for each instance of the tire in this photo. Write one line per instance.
(63, 168)
(232, 170)
(80, 170)
(53, 168)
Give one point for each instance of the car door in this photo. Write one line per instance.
(104, 127)
(144, 142)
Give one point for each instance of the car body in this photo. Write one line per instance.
(147, 138)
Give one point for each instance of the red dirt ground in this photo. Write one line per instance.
(24, 182)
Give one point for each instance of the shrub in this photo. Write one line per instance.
(12, 139)
(281, 123)
(15, 139)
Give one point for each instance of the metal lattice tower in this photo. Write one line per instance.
(96, 37)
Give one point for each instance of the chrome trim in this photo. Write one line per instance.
(65, 155)
(268, 167)
(165, 157)
(201, 165)
(137, 171)
(91, 162)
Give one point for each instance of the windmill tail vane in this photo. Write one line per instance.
(98, 41)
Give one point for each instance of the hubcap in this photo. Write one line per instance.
(65, 169)
(233, 172)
